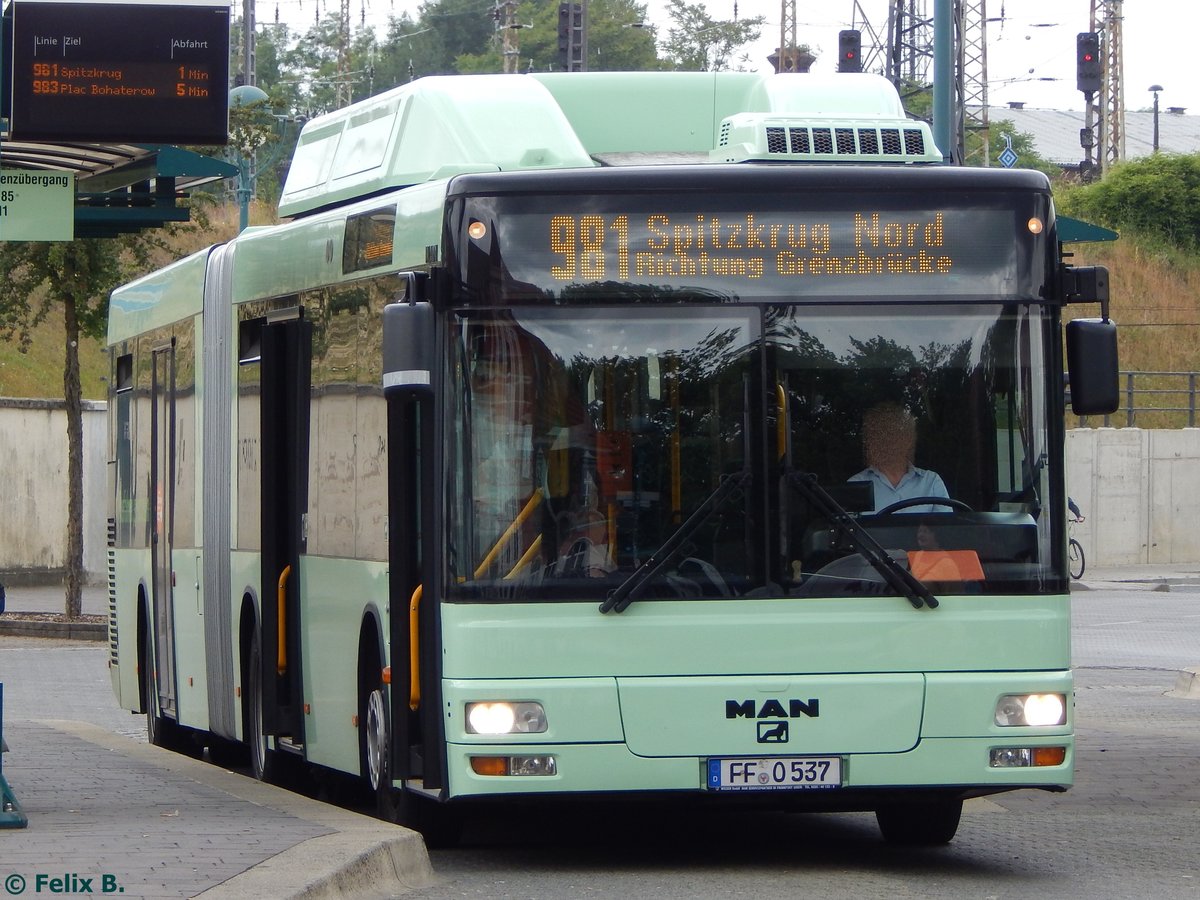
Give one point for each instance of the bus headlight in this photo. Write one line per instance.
(500, 717)
(1031, 709)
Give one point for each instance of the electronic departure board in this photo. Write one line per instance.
(121, 72)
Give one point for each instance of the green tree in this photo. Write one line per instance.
(1158, 196)
(78, 275)
(412, 48)
(614, 44)
(696, 42)
(269, 46)
(311, 64)
(1022, 145)
(464, 28)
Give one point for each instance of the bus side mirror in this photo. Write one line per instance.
(408, 346)
(1092, 366)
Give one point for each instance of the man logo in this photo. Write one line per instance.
(772, 709)
(772, 732)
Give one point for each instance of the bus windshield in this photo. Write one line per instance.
(589, 444)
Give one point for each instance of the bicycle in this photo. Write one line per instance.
(1075, 558)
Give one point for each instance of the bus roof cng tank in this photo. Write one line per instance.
(441, 126)
(432, 128)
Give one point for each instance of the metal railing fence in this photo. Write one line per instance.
(1151, 400)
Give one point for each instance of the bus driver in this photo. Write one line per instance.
(889, 445)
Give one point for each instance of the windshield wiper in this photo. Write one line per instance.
(631, 588)
(898, 578)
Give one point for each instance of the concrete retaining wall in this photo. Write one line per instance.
(33, 523)
(1140, 492)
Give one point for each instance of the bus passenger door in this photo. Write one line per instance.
(162, 493)
(286, 378)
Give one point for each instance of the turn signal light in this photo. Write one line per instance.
(1049, 756)
(1026, 757)
(489, 765)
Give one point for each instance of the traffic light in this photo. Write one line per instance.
(850, 50)
(570, 36)
(1087, 62)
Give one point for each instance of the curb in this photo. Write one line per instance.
(1164, 584)
(361, 857)
(15, 626)
(1187, 685)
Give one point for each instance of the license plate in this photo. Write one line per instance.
(775, 773)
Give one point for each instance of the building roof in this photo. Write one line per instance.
(119, 187)
(1055, 132)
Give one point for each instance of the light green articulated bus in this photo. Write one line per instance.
(601, 435)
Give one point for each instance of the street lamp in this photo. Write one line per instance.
(247, 144)
(1156, 88)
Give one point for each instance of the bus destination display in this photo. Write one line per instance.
(121, 72)
(950, 252)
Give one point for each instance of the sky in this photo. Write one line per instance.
(1030, 53)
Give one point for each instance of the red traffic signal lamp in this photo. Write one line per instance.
(850, 50)
(1088, 67)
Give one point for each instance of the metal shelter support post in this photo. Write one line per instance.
(11, 815)
(943, 78)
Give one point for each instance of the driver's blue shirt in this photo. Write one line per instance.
(915, 483)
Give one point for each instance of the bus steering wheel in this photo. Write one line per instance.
(924, 501)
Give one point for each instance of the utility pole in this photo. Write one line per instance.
(787, 36)
(342, 95)
(972, 81)
(910, 44)
(1103, 89)
(953, 42)
(1113, 93)
(506, 19)
(249, 60)
(787, 56)
(872, 45)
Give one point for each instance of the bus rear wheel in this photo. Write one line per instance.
(264, 762)
(160, 731)
(919, 823)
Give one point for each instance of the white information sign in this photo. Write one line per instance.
(37, 206)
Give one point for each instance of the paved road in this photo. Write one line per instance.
(1128, 828)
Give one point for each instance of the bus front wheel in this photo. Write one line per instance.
(919, 823)
(375, 754)
(439, 826)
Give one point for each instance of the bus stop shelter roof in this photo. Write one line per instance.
(120, 187)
